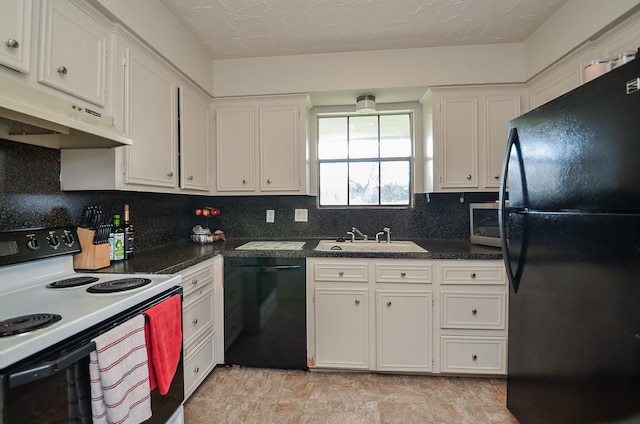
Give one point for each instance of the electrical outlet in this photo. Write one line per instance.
(271, 216)
(301, 215)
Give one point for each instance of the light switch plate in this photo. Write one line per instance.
(301, 215)
(271, 216)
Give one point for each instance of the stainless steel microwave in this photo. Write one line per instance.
(483, 224)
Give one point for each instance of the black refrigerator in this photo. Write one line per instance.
(573, 255)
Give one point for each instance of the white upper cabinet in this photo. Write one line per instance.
(261, 145)
(470, 132)
(73, 51)
(15, 34)
(195, 146)
(151, 117)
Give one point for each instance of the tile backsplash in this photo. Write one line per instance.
(30, 197)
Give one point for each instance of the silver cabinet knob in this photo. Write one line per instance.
(473, 275)
(469, 177)
(244, 181)
(341, 273)
(195, 321)
(190, 178)
(194, 281)
(268, 181)
(495, 177)
(474, 357)
(13, 43)
(170, 174)
(196, 370)
(357, 301)
(62, 70)
(403, 274)
(474, 311)
(389, 303)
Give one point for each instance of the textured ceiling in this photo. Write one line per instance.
(253, 28)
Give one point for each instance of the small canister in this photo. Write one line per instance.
(623, 58)
(596, 68)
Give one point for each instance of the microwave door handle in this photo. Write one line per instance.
(49, 368)
(513, 145)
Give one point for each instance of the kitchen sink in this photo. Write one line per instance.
(369, 246)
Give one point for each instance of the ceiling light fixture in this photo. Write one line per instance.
(366, 104)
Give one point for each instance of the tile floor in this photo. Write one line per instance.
(248, 395)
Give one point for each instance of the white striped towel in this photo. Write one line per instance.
(120, 375)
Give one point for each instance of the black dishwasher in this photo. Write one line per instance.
(265, 312)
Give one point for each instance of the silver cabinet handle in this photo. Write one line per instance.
(403, 274)
(341, 273)
(473, 275)
(474, 311)
(190, 178)
(474, 357)
(389, 303)
(196, 370)
(268, 181)
(13, 43)
(194, 281)
(195, 321)
(170, 174)
(468, 176)
(62, 70)
(357, 301)
(244, 181)
(495, 177)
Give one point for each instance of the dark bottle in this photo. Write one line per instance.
(128, 234)
(118, 239)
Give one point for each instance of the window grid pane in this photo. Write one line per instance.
(365, 160)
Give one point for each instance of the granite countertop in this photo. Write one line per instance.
(175, 257)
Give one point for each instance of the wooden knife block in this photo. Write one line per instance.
(93, 256)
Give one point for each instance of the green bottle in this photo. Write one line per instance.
(118, 239)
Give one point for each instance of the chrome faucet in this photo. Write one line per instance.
(385, 230)
(354, 231)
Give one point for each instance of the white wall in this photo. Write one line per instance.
(366, 70)
(576, 22)
(151, 21)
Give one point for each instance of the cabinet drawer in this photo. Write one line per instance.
(470, 274)
(351, 272)
(403, 273)
(197, 317)
(196, 279)
(198, 365)
(473, 310)
(473, 355)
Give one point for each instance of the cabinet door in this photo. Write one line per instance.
(498, 111)
(404, 330)
(15, 34)
(235, 148)
(73, 53)
(151, 105)
(458, 142)
(279, 148)
(195, 153)
(342, 328)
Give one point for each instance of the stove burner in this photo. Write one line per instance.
(26, 323)
(72, 282)
(118, 285)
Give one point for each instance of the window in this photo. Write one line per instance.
(365, 160)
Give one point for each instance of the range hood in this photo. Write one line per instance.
(31, 116)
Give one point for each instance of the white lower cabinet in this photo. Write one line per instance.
(403, 315)
(202, 321)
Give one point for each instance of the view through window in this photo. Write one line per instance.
(365, 160)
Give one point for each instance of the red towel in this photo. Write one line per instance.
(163, 332)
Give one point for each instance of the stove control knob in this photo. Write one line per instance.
(53, 240)
(67, 238)
(32, 243)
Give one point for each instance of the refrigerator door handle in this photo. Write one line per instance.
(503, 215)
